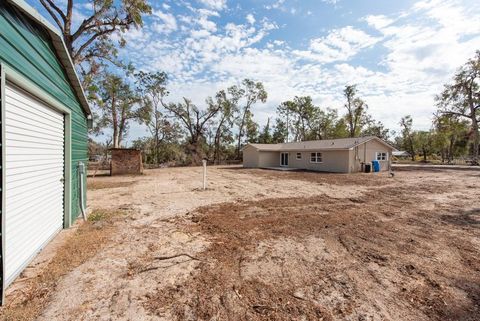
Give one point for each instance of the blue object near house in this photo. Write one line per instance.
(376, 166)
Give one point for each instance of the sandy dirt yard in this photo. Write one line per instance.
(269, 245)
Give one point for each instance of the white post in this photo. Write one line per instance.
(204, 174)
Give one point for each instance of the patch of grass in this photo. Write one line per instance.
(89, 238)
(104, 215)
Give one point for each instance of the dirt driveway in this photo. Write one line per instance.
(266, 245)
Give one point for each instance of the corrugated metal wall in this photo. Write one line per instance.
(28, 50)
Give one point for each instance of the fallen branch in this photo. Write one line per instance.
(161, 258)
(154, 268)
(161, 267)
(261, 308)
(237, 293)
(299, 297)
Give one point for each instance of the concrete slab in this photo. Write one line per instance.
(284, 169)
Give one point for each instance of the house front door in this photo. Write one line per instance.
(283, 159)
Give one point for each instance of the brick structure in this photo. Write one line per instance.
(126, 161)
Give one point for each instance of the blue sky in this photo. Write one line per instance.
(400, 53)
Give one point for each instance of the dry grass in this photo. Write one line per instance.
(89, 238)
(98, 183)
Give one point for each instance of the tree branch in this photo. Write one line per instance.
(85, 25)
(57, 9)
(161, 258)
(455, 113)
(52, 14)
(92, 39)
(68, 18)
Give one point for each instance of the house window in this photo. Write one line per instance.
(315, 157)
(381, 156)
(299, 155)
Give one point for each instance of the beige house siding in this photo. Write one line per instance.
(250, 157)
(253, 158)
(366, 153)
(269, 159)
(332, 161)
(293, 162)
(352, 162)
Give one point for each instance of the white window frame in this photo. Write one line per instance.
(316, 157)
(383, 156)
(299, 156)
(288, 159)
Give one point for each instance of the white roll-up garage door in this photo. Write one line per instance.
(34, 172)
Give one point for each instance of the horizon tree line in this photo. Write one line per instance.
(185, 133)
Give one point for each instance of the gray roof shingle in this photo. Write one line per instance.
(326, 144)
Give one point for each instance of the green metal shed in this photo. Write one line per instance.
(44, 119)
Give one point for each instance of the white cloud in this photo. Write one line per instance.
(250, 18)
(279, 5)
(378, 21)
(332, 2)
(339, 45)
(208, 13)
(207, 24)
(428, 50)
(169, 22)
(200, 33)
(215, 4)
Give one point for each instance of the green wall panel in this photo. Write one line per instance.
(26, 47)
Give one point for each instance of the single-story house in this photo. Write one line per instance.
(345, 155)
(44, 122)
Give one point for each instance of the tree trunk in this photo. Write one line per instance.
(157, 149)
(115, 142)
(216, 152)
(303, 128)
(450, 150)
(476, 140)
(119, 134)
(412, 150)
(473, 116)
(218, 134)
(240, 132)
(196, 153)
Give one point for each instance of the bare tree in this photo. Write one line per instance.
(152, 90)
(90, 41)
(228, 103)
(356, 111)
(117, 105)
(195, 122)
(253, 92)
(462, 98)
